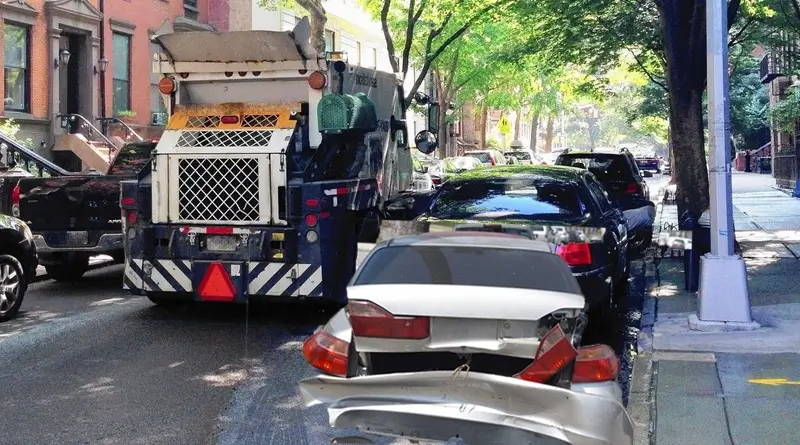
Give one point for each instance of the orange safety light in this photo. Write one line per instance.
(216, 284)
(166, 85)
(317, 80)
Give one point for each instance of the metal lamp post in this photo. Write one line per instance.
(724, 301)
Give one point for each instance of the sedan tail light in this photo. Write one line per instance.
(15, 199)
(436, 180)
(326, 353)
(575, 254)
(371, 320)
(596, 363)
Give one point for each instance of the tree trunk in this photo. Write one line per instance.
(318, 18)
(516, 124)
(686, 130)
(482, 128)
(548, 140)
(534, 130)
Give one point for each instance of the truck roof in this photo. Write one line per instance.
(251, 47)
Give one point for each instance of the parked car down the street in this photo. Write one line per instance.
(488, 157)
(545, 196)
(18, 262)
(505, 323)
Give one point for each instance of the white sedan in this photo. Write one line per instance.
(469, 335)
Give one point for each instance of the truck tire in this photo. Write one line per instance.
(370, 226)
(68, 271)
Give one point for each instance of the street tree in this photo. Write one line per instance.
(667, 38)
(435, 25)
(318, 17)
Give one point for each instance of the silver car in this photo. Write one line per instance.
(470, 335)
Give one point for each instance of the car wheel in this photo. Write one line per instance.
(13, 282)
(68, 270)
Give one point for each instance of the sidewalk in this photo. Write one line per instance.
(696, 388)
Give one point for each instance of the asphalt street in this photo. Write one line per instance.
(86, 363)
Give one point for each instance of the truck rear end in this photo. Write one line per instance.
(266, 169)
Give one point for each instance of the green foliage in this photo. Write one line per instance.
(10, 128)
(492, 143)
(786, 113)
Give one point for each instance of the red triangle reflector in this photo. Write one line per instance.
(216, 285)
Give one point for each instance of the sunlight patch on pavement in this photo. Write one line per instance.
(226, 376)
(293, 345)
(175, 365)
(108, 301)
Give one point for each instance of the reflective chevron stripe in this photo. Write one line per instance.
(264, 279)
(285, 280)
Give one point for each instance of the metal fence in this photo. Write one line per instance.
(784, 170)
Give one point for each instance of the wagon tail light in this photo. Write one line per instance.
(575, 254)
(632, 189)
(597, 363)
(15, 198)
(326, 353)
(491, 160)
(371, 320)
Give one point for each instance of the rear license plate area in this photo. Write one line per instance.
(80, 238)
(220, 243)
(445, 330)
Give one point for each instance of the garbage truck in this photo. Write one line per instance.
(273, 160)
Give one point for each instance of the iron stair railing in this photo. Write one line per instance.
(17, 155)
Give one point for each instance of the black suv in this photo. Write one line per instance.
(623, 181)
(618, 172)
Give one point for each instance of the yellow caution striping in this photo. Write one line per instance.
(233, 116)
(774, 382)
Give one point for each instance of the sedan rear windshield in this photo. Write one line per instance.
(605, 167)
(468, 266)
(508, 197)
(482, 156)
(521, 155)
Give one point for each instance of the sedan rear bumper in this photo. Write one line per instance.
(478, 408)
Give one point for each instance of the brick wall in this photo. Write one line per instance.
(136, 18)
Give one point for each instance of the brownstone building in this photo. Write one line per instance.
(55, 54)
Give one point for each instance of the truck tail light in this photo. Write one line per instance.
(326, 353)
(229, 119)
(15, 198)
(371, 320)
(575, 254)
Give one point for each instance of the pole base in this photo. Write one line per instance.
(696, 324)
(723, 294)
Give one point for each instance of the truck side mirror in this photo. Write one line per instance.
(426, 142)
(433, 117)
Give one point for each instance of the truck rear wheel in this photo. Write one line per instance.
(370, 227)
(69, 270)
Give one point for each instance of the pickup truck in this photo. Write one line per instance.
(74, 217)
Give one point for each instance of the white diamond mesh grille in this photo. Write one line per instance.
(203, 122)
(218, 189)
(260, 120)
(224, 138)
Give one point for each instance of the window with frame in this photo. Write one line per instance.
(17, 73)
(121, 80)
(288, 21)
(330, 39)
(368, 56)
(351, 47)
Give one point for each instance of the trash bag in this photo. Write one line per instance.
(640, 218)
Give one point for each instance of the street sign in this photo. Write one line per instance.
(774, 382)
(504, 126)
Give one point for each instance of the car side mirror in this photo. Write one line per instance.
(426, 142)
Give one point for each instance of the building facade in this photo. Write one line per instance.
(55, 53)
